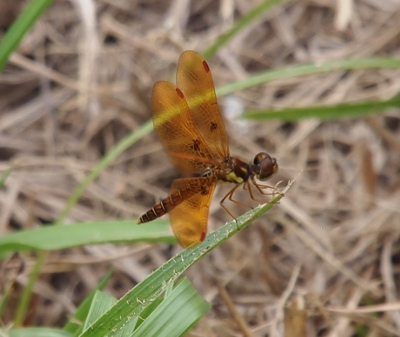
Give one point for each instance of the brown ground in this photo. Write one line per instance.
(330, 247)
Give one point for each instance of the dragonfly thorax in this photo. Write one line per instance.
(235, 171)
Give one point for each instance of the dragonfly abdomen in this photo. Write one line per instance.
(162, 208)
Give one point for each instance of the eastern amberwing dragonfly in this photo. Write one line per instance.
(188, 122)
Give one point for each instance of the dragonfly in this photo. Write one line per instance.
(189, 124)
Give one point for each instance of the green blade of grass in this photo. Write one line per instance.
(309, 69)
(60, 237)
(324, 112)
(180, 310)
(147, 291)
(35, 332)
(33, 11)
(101, 303)
(4, 177)
(82, 311)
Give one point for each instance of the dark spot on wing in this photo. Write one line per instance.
(213, 126)
(196, 145)
(204, 190)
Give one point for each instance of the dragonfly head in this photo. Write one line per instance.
(264, 166)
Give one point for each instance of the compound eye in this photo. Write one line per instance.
(260, 157)
(265, 166)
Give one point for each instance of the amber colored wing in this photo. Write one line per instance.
(195, 80)
(189, 219)
(176, 129)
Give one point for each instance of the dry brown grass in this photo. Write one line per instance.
(328, 254)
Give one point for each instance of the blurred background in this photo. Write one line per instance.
(81, 81)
